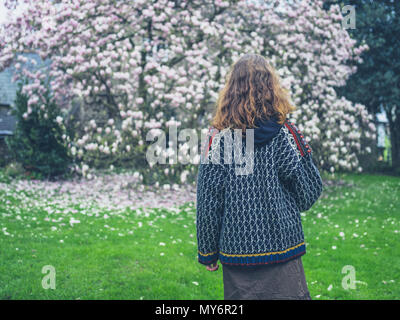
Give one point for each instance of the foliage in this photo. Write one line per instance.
(13, 170)
(376, 82)
(37, 142)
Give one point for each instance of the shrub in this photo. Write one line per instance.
(37, 143)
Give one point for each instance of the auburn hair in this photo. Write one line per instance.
(252, 91)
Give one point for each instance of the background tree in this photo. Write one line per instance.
(376, 83)
(37, 142)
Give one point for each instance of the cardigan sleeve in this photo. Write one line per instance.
(297, 171)
(210, 204)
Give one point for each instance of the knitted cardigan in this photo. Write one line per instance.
(254, 218)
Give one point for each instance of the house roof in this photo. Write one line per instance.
(7, 124)
(8, 88)
(8, 91)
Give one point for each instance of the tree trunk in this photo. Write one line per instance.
(394, 126)
(395, 141)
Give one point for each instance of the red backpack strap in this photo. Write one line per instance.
(211, 133)
(302, 145)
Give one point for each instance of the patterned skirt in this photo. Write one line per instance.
(280, 281)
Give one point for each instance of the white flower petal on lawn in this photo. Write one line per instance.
(73, 221)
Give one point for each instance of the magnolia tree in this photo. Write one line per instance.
(160, 64)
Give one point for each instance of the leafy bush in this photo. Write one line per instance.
(12, 170)
(37, 143)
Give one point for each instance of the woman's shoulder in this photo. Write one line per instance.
(295, 137)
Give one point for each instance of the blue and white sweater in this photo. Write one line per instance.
(255, 218)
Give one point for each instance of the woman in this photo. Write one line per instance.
(251, 222)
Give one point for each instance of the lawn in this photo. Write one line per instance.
(143, 253)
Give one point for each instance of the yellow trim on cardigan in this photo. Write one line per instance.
(254, 254)
(207, 254)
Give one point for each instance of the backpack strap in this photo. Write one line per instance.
(302, 145)
(211, 133)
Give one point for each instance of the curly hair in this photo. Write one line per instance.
(252, 92)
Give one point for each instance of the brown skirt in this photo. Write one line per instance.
(280, 281)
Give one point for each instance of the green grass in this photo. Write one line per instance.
(116, 258)
(368, 215)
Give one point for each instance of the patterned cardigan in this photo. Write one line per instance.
(254, 218)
